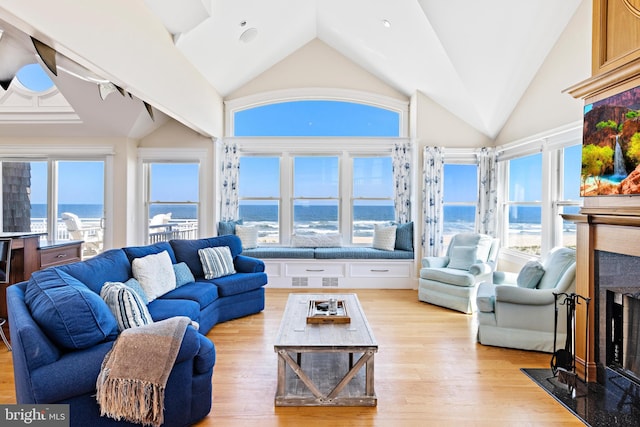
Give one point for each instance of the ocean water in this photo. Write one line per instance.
(320, 219)
(96, 211)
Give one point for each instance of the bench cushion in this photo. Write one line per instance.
(357, 252)
(279, 252)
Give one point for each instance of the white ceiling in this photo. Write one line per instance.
(475, 58)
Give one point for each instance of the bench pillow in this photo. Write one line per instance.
(384, 237)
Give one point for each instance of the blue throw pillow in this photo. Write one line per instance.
(404, 236)
(530, 275)
(72, 315)
(137, 288)
(183, 274)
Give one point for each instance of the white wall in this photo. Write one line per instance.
(544, 106)
(316, 65)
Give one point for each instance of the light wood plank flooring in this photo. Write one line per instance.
(429, 371)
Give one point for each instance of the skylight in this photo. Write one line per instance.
(34, 78)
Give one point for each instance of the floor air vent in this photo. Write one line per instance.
(299, 281)
(330, 281)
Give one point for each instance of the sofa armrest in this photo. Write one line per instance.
(245, 264)
(505, 278)
(435, 261)
(206, 357)
(525, 296)
(480, 268)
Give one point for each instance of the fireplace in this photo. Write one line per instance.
(617, 330)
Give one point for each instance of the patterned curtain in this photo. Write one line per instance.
(486, 215)
(432, 200)
(401, 162)
(229, 175)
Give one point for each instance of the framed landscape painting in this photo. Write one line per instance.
(611, 146)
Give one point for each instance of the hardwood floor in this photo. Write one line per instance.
(429, 370)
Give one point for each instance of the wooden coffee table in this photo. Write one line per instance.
(316, 360)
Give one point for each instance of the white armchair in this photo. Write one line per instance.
(451, 281)
(518, 310)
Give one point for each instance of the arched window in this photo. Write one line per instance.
(316, 166)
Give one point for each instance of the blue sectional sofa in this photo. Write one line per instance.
(61, 329)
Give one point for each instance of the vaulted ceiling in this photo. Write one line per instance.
(474, 58)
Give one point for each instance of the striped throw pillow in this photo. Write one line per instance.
(216, 262)
(126, 305)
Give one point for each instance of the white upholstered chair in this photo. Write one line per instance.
(451, 281)
(517, 310)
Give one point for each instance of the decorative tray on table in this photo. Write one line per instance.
(319, 312)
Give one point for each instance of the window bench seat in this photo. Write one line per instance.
(343, 252)
(349, 267)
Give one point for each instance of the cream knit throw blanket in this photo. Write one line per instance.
(134, 373)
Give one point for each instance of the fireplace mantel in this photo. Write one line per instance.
(613, 229)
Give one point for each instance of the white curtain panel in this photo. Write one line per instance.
(401, 162)
(229, 174)
(486, 214)
(432, 201)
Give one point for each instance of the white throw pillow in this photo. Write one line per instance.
(155, 274)
(384, 237)
(248, 235)
(216, 262)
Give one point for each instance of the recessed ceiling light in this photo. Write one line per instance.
(248, 35)
(386, 23)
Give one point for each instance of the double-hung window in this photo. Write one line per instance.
(316, 194)
(259, 201)
(524, 204)
(460, 199)
(372, 198)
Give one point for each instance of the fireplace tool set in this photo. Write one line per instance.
(563, 360)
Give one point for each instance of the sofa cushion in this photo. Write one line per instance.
(404, 236)
(461, 257)
(183, 274)
(216, 262)
(248, 236)
(72, 315)
(204, 293)
(134, 252)
(530, 275)
(239, 283)
(187, 250)
(164, 308)
(384, 237)
(111, 265)
(155, 274)
(125, 305)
